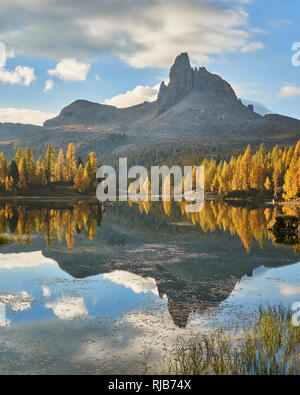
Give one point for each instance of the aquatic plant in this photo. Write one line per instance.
(269, 346)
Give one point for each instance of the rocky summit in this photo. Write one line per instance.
(196, 106)
(184, 80)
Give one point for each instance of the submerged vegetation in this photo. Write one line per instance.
(286, 230)
(271, 346)
(4, 239)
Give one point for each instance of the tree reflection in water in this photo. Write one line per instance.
(63, 222)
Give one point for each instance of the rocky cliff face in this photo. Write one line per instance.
(181, 82)
(184, 80)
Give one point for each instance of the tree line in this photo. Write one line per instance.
(63, 224)
(23, 170)
(275, 170)
(232, 170)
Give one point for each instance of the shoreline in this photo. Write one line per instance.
(44, 198)
(93, 198)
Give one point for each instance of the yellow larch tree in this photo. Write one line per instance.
(70, 167)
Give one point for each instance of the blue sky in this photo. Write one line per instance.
(101, 51)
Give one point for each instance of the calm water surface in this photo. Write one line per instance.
(90, 290)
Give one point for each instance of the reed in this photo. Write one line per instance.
(268, 346)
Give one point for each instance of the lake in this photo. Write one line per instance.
(91, 289)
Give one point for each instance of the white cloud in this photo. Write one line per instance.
(49, 85)
(171, 27)
(5, 54)
(69, 69)
(138, 95)
(68, 308)
(290, 290)
(3, 320)
(142, 33)
(289, 91)
(21, 75)
(23, 260)
(26, 116)
(2, 55)
(252, 47)
(46, 291)
(136, 283)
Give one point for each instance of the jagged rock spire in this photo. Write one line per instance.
(181, 81)
(184, 79)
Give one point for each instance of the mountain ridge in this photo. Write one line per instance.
(196, 106)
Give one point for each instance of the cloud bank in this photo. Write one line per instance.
(138, 95)
(26, 116)
(143, 33)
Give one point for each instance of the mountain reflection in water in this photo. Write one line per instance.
(194, 259)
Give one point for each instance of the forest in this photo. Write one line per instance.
(274, 171)
(23, 172)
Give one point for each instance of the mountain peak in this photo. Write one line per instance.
(184, 79)
(195, 104)
(181, 82)
(182, 62)
(181, 71)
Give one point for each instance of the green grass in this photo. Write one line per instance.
(271, 346)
